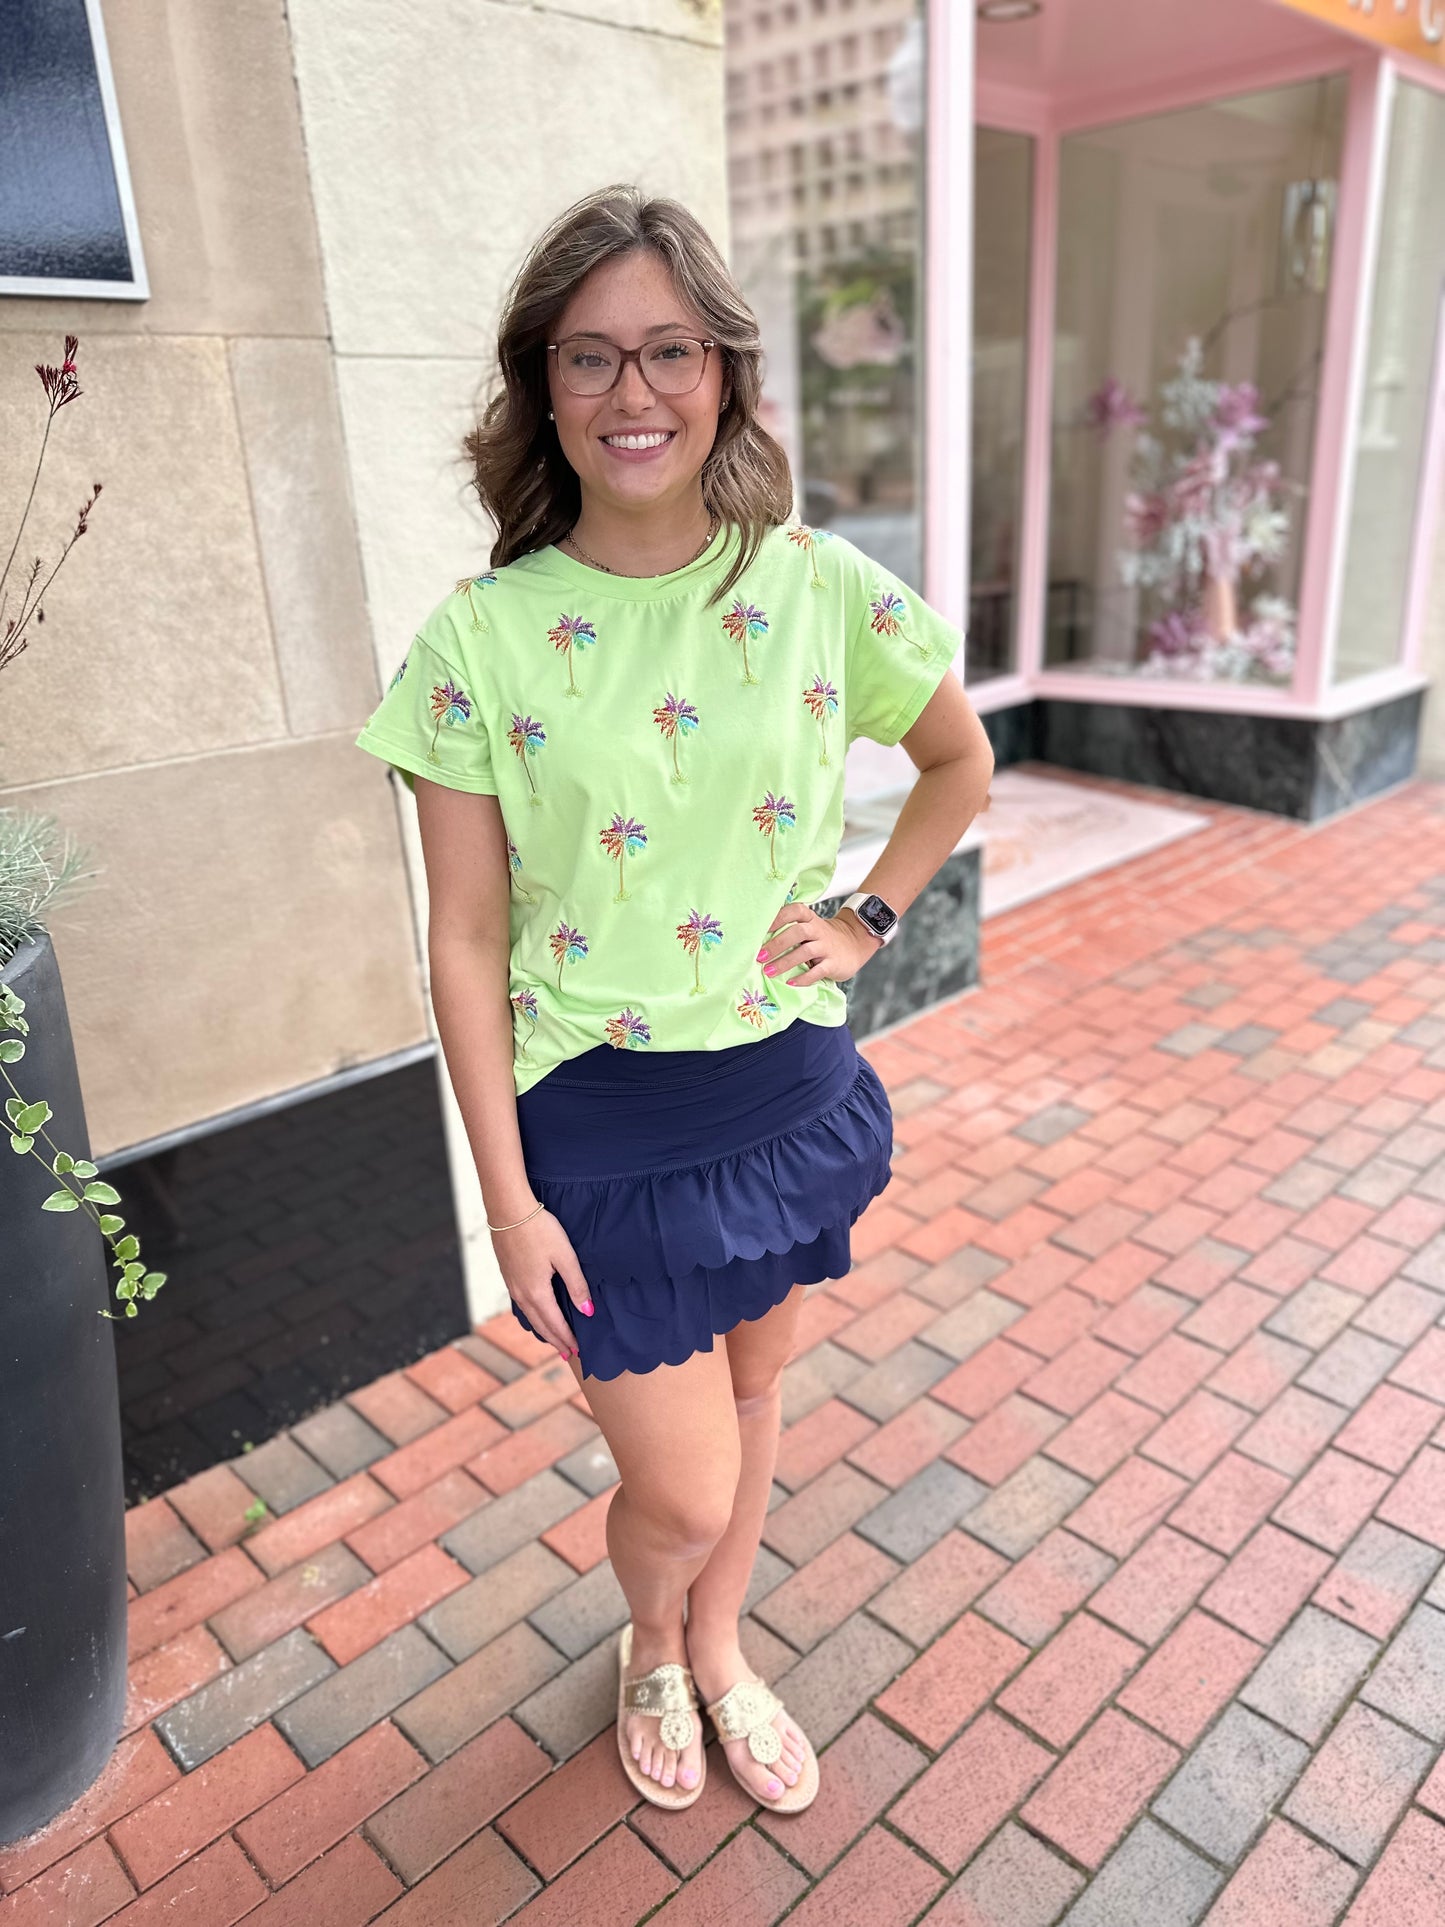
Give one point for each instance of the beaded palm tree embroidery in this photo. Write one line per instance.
(700, 932)
(627, 1031)
(569, 946)
(675, 718)
(621, 839)
(822, 700)
(570, 634)
(450, 705)
(745, 624)
(808, 539)
(757, 1007)
(887, 612)
(524, 1002)
(774, 813)
(470, 583)
(514, 865)
(527, 737)
(400, 672)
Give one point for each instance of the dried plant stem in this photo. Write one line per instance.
(25, 512)
(29, 604)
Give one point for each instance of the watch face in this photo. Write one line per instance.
(875, 913)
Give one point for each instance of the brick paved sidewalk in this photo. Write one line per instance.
(1104, 1567)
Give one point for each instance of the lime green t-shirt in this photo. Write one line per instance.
(669, 774)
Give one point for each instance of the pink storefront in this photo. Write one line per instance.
(1180, 272)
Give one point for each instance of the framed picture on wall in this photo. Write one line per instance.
(67, 216)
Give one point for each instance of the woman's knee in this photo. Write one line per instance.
(691, 1514)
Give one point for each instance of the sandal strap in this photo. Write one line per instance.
(667, 1692)
(746, 1712)
(668, 1688)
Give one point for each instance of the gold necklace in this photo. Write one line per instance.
(713, 524)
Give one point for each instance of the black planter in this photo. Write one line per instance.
(62, 1520)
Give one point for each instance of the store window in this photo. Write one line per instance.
(834, 272)
(1194, 258)
(67, 218)
(1003, 174)
(1404, 340)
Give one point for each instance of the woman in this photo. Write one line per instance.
(630, 731)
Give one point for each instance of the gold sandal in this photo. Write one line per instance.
(667, 1690)
(746, 1712)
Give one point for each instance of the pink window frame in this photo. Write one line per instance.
(955, 99)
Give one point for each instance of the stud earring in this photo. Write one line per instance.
(550, 416)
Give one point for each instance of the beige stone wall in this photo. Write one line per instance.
(442, 139)
(187, 707)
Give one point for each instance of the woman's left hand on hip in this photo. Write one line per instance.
(816, 948)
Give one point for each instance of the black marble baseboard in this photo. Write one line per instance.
(307, 1253)
(934, 955)
(1013, 732)
(1294, 766)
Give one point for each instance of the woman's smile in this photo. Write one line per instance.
(639, 446)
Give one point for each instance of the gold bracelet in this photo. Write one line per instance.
(516, 1221)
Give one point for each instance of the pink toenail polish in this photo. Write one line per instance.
(774, 1789)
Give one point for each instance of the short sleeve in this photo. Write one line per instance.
(899, 649)
(427, 724)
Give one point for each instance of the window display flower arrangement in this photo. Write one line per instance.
(1202, 519)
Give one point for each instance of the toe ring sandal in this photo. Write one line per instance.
(746, 1712)
(668, 1691)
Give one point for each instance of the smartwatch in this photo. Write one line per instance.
(874, 914)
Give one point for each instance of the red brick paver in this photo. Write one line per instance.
(1153, 1302)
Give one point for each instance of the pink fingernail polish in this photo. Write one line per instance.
(587, 1307)
(769, 969)
(762, 956)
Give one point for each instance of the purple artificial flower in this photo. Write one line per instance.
(1174, 635)
(1236, 413)
(1145, 518)
(1112, 406)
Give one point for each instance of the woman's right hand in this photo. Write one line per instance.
(528, 1254)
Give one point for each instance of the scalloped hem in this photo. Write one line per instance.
(706, 1307)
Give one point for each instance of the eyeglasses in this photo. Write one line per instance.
(673, 366)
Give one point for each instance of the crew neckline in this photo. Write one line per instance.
(715, 559)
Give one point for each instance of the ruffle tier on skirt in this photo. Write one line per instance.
(698, 1187)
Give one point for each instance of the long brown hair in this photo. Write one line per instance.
(522, 478)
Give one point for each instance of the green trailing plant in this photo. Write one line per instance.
(34, 874)
(32, 877)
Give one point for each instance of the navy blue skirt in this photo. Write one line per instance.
(699, 1186)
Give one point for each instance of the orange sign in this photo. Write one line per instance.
(1408, 26)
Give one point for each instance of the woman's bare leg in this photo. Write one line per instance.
(674, 1434)
(757, 1351)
